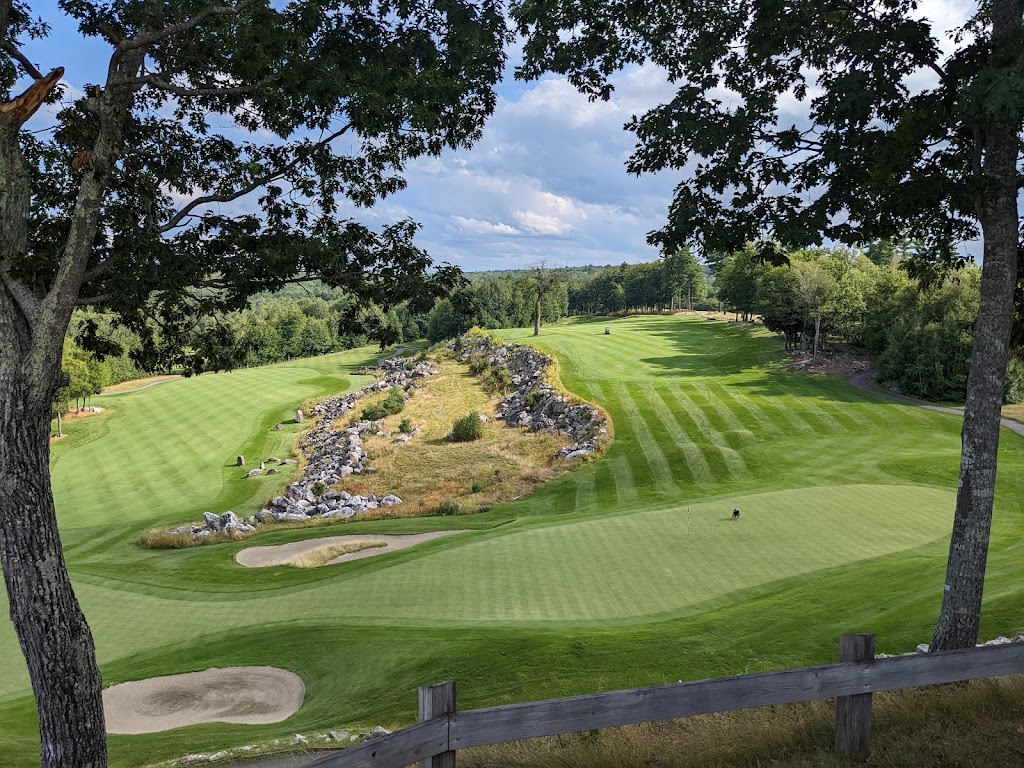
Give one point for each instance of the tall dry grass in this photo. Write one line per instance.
(969, 725)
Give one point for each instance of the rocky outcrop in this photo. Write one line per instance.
(331, 454)
(534, 404)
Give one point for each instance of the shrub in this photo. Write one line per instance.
(1013, 389)
(476, 488)
(468, 428)
(318, 488)
(478, 365)
(373, 412)
(405, 425)
(446, 508)
(395, 401)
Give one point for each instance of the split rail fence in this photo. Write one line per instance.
(442, 729)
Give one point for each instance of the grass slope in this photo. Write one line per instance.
(595, 582)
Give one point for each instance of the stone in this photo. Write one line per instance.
(274, 460)
(298, 416)
(193, 759)
(278, 427)
(402, 439)
(923, 648)
(390, 501)
(262, 465)
(212, 521)
(271, 471)
(228, 518)
(379, 731)
(254, 472)
(340, 735)
(240, 461)
(298, 738)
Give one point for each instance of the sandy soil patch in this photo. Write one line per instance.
(249, 695)
(135, 384)
(261, 557)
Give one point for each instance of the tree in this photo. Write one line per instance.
(139, 204)
(895, 139)
(544, 281)
(686, 277)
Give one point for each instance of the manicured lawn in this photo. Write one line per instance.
(626, 571)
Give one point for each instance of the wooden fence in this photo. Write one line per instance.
(442, 729)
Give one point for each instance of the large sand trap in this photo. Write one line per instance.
(249, 695)
(261, 557)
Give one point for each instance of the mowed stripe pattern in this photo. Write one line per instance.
(721, 414)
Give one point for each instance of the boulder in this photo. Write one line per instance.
(271, 471)
(240, 461)
(298, 416)
(379, 731)
(228, 518)
(390, 501)
(254, 472)
(212, 521)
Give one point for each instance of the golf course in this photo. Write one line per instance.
(626, 571)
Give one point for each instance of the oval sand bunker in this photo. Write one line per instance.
(262, 557)
(248, 695)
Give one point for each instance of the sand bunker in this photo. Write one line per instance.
(261, 557)
(249, 695)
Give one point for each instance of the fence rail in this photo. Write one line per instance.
(443, 729)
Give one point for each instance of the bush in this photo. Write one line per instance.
(405, 425)
(318, 488)
(373, 412)
(446, 508)
(393, 403)
(468, 428)
(1013, 388)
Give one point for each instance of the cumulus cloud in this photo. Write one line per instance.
(484, 227)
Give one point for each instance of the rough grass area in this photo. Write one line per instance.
(322, 555)
(430, 470)
(1015, 412)
(971, 725)
(165, 538)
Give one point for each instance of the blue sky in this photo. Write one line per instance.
(547, 180)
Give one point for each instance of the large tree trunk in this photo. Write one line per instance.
(536, 321)
(960, 615)
(51, 629)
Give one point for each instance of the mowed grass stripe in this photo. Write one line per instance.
(628, 468)
(742, 410)
(712, 439)
(693, 453)
(651, 447)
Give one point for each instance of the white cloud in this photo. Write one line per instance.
(484, 227)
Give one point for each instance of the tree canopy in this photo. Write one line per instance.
(227, 151)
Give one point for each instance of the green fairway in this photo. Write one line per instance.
(626, 571)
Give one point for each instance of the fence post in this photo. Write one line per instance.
(853, 713)
(436, 700)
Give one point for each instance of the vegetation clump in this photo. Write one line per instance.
(468, 428)
(392, 404)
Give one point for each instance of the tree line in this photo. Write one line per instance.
(920, 336)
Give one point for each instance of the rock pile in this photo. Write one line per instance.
(226, 523)
(331, 455)
(535, 404)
